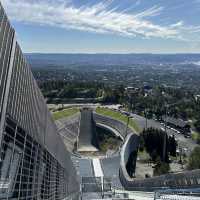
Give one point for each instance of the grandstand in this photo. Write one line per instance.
(68, 128)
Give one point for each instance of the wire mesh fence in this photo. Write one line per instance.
(27, 170)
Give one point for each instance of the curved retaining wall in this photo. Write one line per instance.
(187, 179)
(110, 129)
(131, 145)
(115, 124)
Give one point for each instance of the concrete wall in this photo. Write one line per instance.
(87, 140)
(131, 145)
(186, 179)
(115, 124)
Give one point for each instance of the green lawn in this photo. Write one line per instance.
(143, 155)
(195, 135)
(118, 116)
(64, 113)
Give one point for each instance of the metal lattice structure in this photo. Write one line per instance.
(34, 163)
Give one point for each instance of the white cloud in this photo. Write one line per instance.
(99, 18)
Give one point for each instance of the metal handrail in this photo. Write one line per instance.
(178, 194)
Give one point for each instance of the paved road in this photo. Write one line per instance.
(185, 143)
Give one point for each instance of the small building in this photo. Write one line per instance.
(132, 90)
(178, 124)
(147, 90)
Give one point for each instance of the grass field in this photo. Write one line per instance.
(118, 116)
(195, 136)
(64, 113)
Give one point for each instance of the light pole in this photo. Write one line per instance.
(180, 156)
(128, 119)
(165, 135)
(145, 111)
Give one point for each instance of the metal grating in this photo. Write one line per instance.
(27, 170)
(91, 184)
(34, 163)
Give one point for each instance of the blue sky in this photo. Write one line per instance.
(106, 26)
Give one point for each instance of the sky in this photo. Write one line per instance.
(106, 26)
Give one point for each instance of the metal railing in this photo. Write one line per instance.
(177, 194)
(102, 186)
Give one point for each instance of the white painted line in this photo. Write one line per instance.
(98, 172)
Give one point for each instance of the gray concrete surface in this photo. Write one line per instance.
(110, 168)
(83, 167)
(87, 140)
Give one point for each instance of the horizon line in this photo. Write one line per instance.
(120, 53)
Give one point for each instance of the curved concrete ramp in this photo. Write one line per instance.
(87, 133)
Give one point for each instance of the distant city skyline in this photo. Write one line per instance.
(108, 26)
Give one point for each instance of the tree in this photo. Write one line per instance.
(172, 145)
(142, 144)
(198, 139)
(194, 159)
(153, 140)
(161, 168)
(131, 164)
(197, 125)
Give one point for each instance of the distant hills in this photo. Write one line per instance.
(69, 60)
